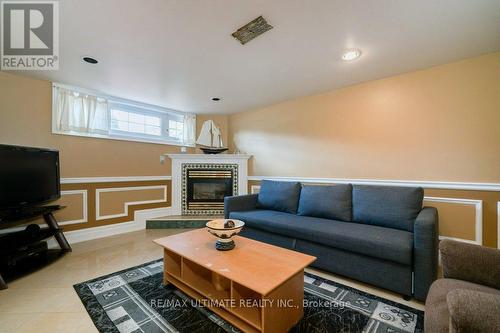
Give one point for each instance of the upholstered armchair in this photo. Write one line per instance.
(467, 299)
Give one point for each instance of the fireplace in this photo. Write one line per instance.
(204, 187)
(181, 163)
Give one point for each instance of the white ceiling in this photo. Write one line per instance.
(180, 54)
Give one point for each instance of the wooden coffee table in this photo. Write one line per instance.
(257, 287)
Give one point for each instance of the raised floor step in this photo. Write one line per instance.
(180, 221)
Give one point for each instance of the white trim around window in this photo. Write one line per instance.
(84, 129)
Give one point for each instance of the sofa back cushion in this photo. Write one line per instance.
(387, 206)
(330, 202)
(279, 196)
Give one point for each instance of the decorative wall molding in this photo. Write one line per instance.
(425, 184)
(126, 204)
(478, 205)
(86, 180)
(84, 218)
(498, 224)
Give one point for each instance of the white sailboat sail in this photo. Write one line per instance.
(210, 135)
(205, 137)
(216, 139)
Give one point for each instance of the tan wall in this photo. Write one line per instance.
(441, 123)
(25, 119)
(456, 220)
(76, 211)
(438, 124)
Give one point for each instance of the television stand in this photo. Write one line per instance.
(59, 236)
(14, 243)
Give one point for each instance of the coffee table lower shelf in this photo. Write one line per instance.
(277, 312)
(221, 312)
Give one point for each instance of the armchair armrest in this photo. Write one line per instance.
(470, 262)
(425, 251)
(239, 203)
(473, 311)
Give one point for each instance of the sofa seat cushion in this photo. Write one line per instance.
(387, 206)
(279, 196)
(437, 315)
(327, 201)
(383, 243)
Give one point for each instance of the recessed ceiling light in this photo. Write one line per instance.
(215, 99)
(90, 60)
(351, 54)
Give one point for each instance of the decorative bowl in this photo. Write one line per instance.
(224, 229)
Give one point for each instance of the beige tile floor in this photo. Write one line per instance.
(45, 301)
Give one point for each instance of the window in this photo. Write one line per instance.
(79, 113)
(175, 129)
(132, 122)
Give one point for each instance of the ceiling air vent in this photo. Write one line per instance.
(251, 30)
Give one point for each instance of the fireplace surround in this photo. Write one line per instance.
(205, 185)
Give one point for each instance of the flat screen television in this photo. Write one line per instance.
(28, 176)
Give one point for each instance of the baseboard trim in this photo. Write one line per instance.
(82, 235)
(139, 223)
(495, 187)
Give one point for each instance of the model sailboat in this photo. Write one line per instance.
(210, 139)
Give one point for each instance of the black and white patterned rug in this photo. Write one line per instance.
(135, 300)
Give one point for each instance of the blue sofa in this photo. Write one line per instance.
(380, 235)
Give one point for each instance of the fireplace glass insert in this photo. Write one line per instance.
(206, 188)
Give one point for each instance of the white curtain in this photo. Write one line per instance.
(81, 113)
(189, 133)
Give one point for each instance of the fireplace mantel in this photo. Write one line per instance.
(205, 157)
(179, 159)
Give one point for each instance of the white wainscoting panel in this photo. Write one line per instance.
(498, 224)
(126, 204)
(478, 205)
(84, 218)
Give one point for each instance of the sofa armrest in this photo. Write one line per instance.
(425, 251)
(239, 203)
(473, 311)
(470, 262)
